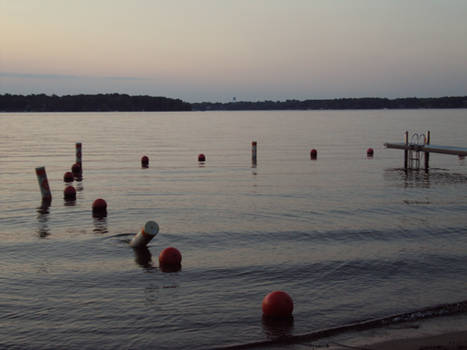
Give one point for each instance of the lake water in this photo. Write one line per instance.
(350, 238)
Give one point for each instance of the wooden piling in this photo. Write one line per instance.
(406, 151)
(253, 152)
(79, 160)
(43, 185)
(427, 154)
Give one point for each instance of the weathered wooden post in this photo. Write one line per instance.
(79, 159)
(427, 154)
(406, 151)
(253, 152)
(44, 185)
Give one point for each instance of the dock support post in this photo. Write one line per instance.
(427, 154)
(406, 151)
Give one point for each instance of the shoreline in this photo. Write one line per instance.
(440, 327)
(448, 341)
(443, 332)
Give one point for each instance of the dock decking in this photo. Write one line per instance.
(460, 151)
(420, 145)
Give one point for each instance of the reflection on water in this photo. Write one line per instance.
(44, 207)
(408, 178)
(253, 169)
(170, 268)
(79, 186)
(151, 295)
(416, 202)
(275, 328)
(69, 202)
(42, 267)
(422, 179)
(42, 219)
(416, 178)
(143, 257)
(100, 225)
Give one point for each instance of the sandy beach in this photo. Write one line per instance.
(448, 341)
(448, 332)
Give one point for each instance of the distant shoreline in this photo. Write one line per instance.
(126, 103)
(339, 104)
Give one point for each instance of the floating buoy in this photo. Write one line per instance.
(69, 193)
(144, 161)
(201, 157)
(170, 258)
(76, 170)
(313, 154)
(370, 152)
(99, 208)
(143, 237)
(68, 177)
(277, 304)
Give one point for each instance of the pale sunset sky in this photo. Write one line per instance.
(214, 50)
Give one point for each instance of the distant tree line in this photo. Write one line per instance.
(342, 103)
(89, 103)
(123, 102)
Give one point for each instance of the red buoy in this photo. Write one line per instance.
(370, 152)
(170, 257)
(201, 157)
(313, 154)
(277, 304)
(99, 208)
(144, 161)
(76, 170)
(68, 177)
(69, 193)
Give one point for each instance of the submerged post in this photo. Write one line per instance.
(406, 151)
(143, 237)
(427, 154)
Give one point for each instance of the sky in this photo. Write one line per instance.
(250, 50)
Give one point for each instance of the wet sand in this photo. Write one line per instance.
(448, 341)
(445, 332)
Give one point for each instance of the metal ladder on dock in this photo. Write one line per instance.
(415, 155)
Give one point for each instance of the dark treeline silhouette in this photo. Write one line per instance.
(123, 102)
(89, 103)
(342, 103)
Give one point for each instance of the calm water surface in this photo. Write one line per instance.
(348, 237)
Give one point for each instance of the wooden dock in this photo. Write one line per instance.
(420, 145)
(460, 151)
